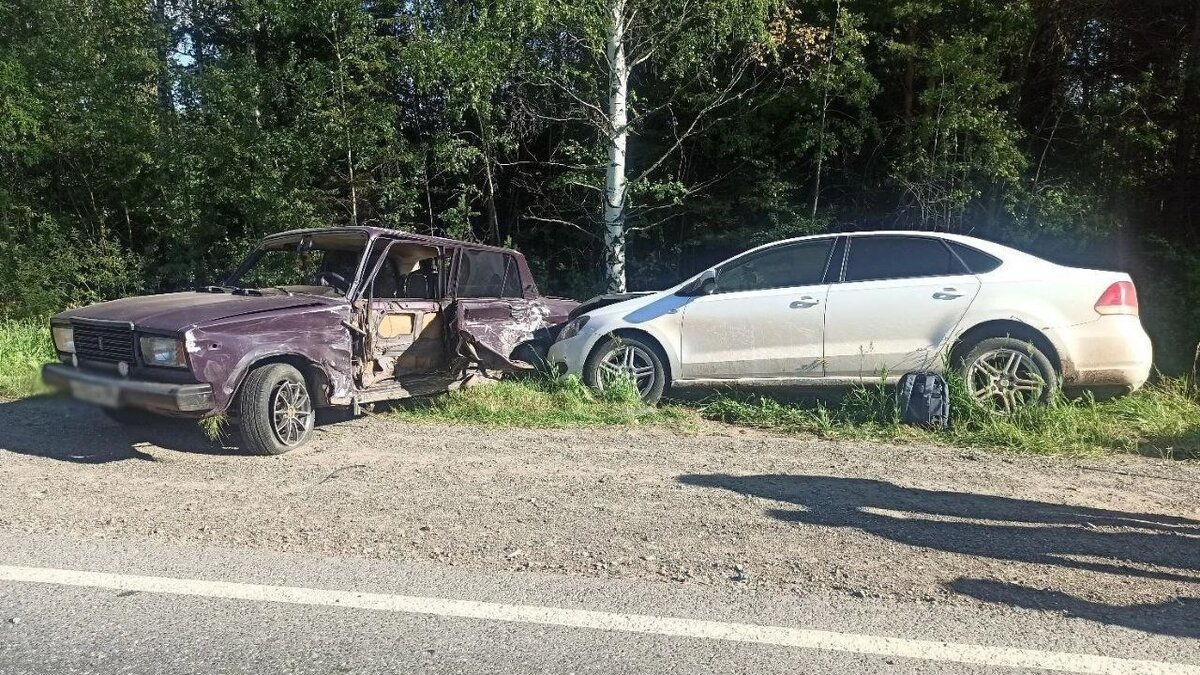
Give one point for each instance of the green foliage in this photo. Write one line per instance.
(538, 403)
(24, 346)
(215, 427)
(49, 269)
(1162, 419)
(964, 144)
(145, 145)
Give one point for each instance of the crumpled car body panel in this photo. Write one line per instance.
(351, 347)
(509, 335)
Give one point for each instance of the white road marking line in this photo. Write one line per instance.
(632, 623)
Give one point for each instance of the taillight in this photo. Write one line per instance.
(1119, 298)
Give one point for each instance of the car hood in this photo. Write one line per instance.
(176, 312)
(606, 300)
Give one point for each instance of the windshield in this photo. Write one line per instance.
(311, 265)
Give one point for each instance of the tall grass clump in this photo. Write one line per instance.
(538, 402)
(1161, 419)
(24, 346)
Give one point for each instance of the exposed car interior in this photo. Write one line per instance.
(403, 308)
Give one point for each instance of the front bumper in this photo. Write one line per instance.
(117, 392)
(566, 357)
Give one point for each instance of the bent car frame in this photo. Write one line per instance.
(845, 308)
(311, 318)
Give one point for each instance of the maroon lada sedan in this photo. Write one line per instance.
(333, 317)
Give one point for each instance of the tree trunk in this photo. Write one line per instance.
(489, 183)
(1185, 169)
(833, 32)
(910, 76)
(344, 113)
(618, 134)
(165, 97)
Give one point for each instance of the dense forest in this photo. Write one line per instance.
(145, 144)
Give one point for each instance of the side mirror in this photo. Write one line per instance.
(705, 284)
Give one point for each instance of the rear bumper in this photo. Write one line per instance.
(116, 392)
(1112, 351)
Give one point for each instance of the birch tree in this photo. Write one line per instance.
(700, 56)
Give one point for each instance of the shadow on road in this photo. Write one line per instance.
(1179, 617)
(1098, 540)
(59, 428)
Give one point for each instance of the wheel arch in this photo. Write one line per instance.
(1005, 328)
(649, 338)
(315, 378)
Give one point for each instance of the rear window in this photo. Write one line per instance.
(883, 257)
(976, 261)
(488, 274)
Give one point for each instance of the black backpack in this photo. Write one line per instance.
(924, 400)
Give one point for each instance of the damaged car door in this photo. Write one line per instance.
(494, 320)
(401, 313)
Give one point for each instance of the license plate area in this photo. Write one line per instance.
(106, 395)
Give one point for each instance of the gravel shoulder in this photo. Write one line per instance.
(1114, 539)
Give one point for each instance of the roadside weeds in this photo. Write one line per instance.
(540, 402)
(24, 347)
(1161, 420)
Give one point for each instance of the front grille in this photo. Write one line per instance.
(104, 343)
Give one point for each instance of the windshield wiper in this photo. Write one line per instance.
(216, 289)
(246, 291)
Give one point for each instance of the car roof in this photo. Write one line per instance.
(998, 250)
(373, 232)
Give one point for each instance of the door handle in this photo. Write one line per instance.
(804, 303)
(947, 294)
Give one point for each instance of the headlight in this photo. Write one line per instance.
(162, 351)
(64, 338)
(573, 327)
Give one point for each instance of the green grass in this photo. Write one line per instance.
(215, 427)
(24, 346)
(539, 402)
(1161, 419)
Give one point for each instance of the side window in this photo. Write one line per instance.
(883, 257)
(408, 272)
(387, 282)
(487, 274)
(786, 266)
(512, 280)
(977, 261)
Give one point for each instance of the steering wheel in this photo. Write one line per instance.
(335, 281)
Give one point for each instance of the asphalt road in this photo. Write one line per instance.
(137, 606)
(393, 547)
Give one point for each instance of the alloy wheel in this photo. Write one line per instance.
(631, 363)
(1005, 380)
(291, 413)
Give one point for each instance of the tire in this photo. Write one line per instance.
(645, 366)
(133, 417)
(1005, 374)
(275, 410)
